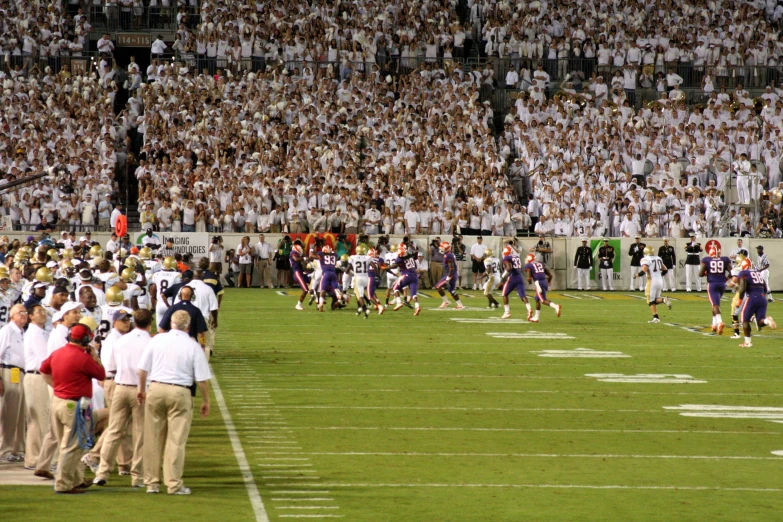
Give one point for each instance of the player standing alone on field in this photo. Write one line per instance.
(762, 266)
(716, 269)
(654, 269)
(751, 290)
(540, 276)
(449, 280)
(583, 262)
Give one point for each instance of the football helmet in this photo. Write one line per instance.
(96, 251)
(123, 253)
(445, 247)
(745, 264)
(44, 275)
(361, 250)
(145, 254)
(344, 258)
(68, 253)
(488, 253)
(507, 251)
(114, 296)
(712, 251)
(327, 249)
(392, 248)
(402, 250)
(4, 273)
(128, 275)
(530, 258)
(170, 264)
(68, 267)
(372, 253)
(649, 250)
(53, 255)
(298, 249)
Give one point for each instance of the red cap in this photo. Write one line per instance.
(78, 331)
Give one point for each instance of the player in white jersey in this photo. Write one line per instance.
(6, 295)
(133, 291)
(86, 296)
(345, 266)
(360, 266)
(114, 300)
(653, 267)
(492, 269)
(160, 282)
(15, 288)
(315, 277)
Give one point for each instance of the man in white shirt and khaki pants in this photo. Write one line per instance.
(263, 252)
(171, 363)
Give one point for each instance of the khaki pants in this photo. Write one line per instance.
(12, 415)
(37, 402)
(103, 224)
(264, 273)
(436, 271)
(209, 339)
(125, 454)
(167, 418)
(49, 445)
(70, 472)
(125, 412)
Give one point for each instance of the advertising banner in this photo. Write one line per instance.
(195, 243)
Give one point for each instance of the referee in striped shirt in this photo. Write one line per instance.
(762, 266)
(168, 250)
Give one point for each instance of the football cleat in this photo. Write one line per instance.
(460, 307)
(310, 302)
(559, 309)
(444, 304)
(506, 315)
(746, 345)
(529, 315)
(714, 328)
(771, 322)
(366, 313)
(654, 320)
(417, 311)
(381, 309)
(721, 326)
(736, 336)
(358, 312)
(667, 302)
(533, 320)
(298, 306)
(320, 308)
(398, 306)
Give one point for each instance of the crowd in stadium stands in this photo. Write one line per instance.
(301, 118)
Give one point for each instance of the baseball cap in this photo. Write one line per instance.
(83, 238)
(122, 315)
(80, 330)
(67, 307)
(187, 275)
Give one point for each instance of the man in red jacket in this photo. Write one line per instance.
(70, 371)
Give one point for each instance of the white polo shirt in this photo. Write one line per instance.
(205, 299)
(174, 358)
(57, 338)
(125, 357)
(36, 341)
(12, 345)
(107, 349)
(477, 250)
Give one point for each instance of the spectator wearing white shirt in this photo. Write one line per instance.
(36, 391)
(477, 259)
(263, 253)
(105, 45)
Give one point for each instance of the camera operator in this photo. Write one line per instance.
(436, 261)
(232, 263)
(343, 246)
(542, 250)
(216, 256)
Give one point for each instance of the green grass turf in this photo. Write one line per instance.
(424, 418)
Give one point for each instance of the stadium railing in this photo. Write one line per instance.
(139, 19)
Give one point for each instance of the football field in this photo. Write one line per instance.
(457, 415)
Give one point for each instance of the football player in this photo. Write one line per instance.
(449, 279)
(752, 290)
(391, 273)
(741, 262)
(716, 269)
(512, 280)
(315, 277)
(295, 259)
(360, 266)
(540, 276)
(344, 266)
(406, 262)
(653, 268)
(492, 269)
(152, 266)
(161, 280)
(328, 261)
(133, 291)
(374, 276)
(114, 304)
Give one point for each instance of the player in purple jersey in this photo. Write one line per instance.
(408, 278)
(449, 279)
(718, 270)
(328, 261)
(374, 273)
(540, 277)
(295, 258)
(752, 289)
(512, 280)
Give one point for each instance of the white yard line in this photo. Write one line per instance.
(244, 467)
